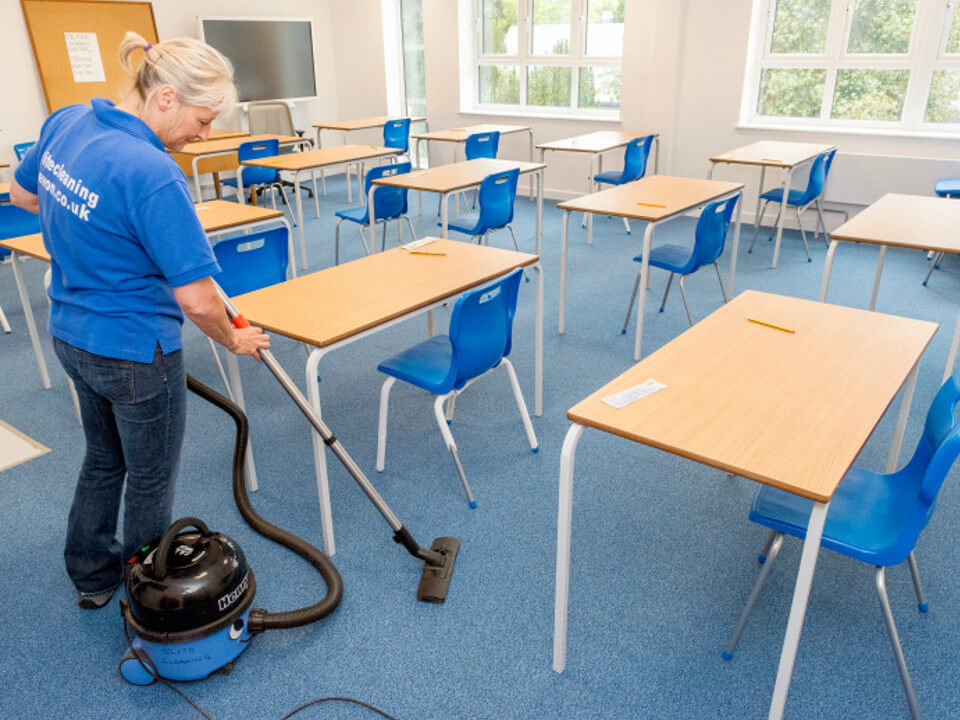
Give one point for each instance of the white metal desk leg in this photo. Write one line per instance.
(710, 170)
(539, 208)
(346, 175)
(531, 160)
(828, 263)
(3, 322)
(236, 388)
(323, 177)
(196, 177)
(783, 215)
(303, 237)
(31, 324)
(798, 608)
(292, 265)
(656, 158)
(443, 214)
(598, 160)
(906, 398)
(734, 250)
(316, 196)
(563, 266)
(644, 279)
(876, 279)
(756, 214)
(319, 455)
(361, 169)
(564, 522)
(372, 216)
(416, 167)
(952, 355)
(538, 346)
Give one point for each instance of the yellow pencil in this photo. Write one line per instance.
(651, 205)
(422, 252)
(770, 325)
(770, 160)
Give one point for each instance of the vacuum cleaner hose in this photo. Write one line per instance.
(260, 619)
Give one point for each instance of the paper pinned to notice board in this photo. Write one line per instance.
(85, 61)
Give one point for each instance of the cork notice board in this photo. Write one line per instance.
(75, 43)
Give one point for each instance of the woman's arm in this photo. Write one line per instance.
(201, 303)
(23, 199)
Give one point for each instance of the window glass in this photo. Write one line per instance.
(600, 87)
(605, 28)
(414, 84)
(500, 84)
(791, 92)
(549, 85)
(943, 103)
(870, 94)
(953, 39)
(881, 26)
(551, 27)
(500, 30)
(800, 27)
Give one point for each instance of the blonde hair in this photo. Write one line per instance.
(200, 74)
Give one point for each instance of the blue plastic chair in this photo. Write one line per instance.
(14, 222)
(946, 188)
(874, 518)
(479, 145)
(258, 179)
(496, 197)
(21, 149)
(800, 200)
(253, 261)
(635, 157)
(709, 239)
(389, 203)
(481, 330)
(396, 134)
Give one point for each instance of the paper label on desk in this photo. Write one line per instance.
(418, 243)
(625, 397)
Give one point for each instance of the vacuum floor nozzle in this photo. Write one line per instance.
(435, 581)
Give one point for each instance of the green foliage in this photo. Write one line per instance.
(943, 104)
(800, 26)
(953, 39)
(870, 94)
(795, 92)
(498, 17)
(548, 85)
(551, 12)
(596, 9)
(599, 87)
(882, 26)
(500, 84)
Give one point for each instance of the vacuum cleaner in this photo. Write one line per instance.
(190, 593)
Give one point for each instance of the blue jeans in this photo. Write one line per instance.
(133, 419)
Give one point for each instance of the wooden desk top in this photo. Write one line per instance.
(911, 221)
(652, 198)
(363, 123)
(456, 176)
(461, 134)
(216, 215)
(341, 301)
(31, 245)
(324, 156)
(595, 142)
(787, 410)
(230, 144)
(772, 153)
(4, 188)
(4, 164)
(223, 134)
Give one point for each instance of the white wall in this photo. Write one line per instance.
(24, 107)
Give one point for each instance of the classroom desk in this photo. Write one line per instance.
(460, 135)
(348, 126)
(446, 179)
(655, 199)
(311, 160)
(597, 143)
(194, 152)
(908, 221)
(4, 188)
(344, 303)
(790, 410)
(786, 156)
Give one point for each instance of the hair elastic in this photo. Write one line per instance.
(147, 48)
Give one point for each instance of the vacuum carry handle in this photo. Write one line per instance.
(160, 560)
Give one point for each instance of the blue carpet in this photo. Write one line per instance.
(663, 554)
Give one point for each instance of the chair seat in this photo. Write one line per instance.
(609, 176)
(354, 214)
(15, 222)
(468, 223)
(947, 186)
(866, 515)
(426, 365)
(776, 195)
(675, 258)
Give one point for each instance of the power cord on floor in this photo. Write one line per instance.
(152, 671)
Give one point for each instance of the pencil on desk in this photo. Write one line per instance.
(423, 252)
(770, 160)
(651, 204)
(770, 325)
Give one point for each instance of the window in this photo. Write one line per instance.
(547, 56)
(855, 63)
(411, 34)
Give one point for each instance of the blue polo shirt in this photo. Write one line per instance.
(120, 228)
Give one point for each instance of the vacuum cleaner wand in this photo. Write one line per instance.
(440, 558)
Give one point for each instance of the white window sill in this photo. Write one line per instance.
(580, 117)
(875, 132)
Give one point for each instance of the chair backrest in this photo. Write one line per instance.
(250, 262)
(270, 118)
(388, 202)
(21, 149)
(396, 134)
(635, 157)
(818, 176)
(498, 191)
(482, 145)
(711, 232)
(920, 479)
(481, 327)
(259, 149)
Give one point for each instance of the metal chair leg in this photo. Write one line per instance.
(917, 585)
(3, 322)
(762, 557)
(413, 235)
(757, 223)
(514, 235)
(363, 239)
(820, 220)
(803, 235)
(666, 292)
(683, 294)
(336, 242)
(382, 424)
(895, 642)
(521, 405)
(771, 551)
(937, 259)
(383, 237)
(633, 296)
(626, 224)
(776, 221)
(451, 445)
(720, 278)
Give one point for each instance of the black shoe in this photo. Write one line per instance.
(95, 601)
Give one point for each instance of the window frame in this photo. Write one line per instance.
(525, 59)
(926, 54)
